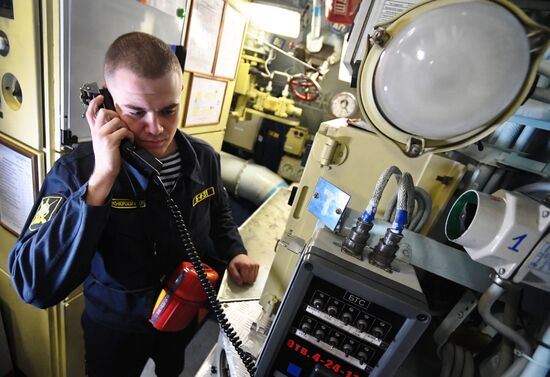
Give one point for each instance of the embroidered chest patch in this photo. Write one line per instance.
(48, 207)
(127, 203)
(203, 195)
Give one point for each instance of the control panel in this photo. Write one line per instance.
(342, 317)
(339, 330)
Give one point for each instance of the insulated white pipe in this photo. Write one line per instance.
(314, 39)
(248, 180)
(534, 109)
(540, 364)
(231, 167)
(316, 19)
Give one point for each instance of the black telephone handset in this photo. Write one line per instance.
(139, 158)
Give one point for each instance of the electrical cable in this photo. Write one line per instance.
(389, 212)
(192, 254)
(379, 190)
(421, 213)
(390, 208)
(458, 362)
(427, 199)
(416, 215)
(270, 57)
(358, 236)
(405, 203)
(447, 357)
(489, 297)
(469, 369)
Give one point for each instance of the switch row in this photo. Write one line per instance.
(350, 315)
(335, 339)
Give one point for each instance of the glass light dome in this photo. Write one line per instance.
(446, 72)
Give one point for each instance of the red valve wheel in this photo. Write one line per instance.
(304, 88)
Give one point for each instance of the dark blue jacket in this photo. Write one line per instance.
(123, 249)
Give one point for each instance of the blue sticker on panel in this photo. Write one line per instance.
(328, 203)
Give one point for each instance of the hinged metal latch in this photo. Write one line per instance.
(332, 152)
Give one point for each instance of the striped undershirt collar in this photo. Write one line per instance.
(171, 170)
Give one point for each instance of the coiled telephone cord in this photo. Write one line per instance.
(246, 357)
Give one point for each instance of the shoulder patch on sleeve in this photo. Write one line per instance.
(48, 207)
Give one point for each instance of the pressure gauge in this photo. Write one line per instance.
(343, 105)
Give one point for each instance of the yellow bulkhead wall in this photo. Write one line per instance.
(48, 342)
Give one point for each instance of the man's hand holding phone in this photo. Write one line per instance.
(107, 130)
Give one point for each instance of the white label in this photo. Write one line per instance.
(541, 261)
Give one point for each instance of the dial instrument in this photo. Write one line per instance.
(343, 105)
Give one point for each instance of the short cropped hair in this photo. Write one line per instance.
(141, 53)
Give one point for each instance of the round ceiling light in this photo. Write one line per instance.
(446, 73)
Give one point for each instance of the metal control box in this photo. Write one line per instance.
(344, 317)
(295, 141)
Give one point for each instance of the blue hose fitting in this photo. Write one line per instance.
(400, 220)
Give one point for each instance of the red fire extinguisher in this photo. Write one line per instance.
(341, 11)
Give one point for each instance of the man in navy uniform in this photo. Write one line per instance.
(102, 222)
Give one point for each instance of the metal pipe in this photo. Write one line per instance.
(544, 68)
(494, 181)
(506, 352)
(540, 365)
(508, 134)
(534, 109)
(534, 188)
(489, 297)
(541, 94)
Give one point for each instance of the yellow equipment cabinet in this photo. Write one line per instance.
(21, 72)
(30, 331)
